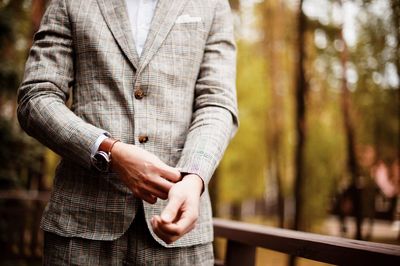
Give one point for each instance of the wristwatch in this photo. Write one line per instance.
(101, 160)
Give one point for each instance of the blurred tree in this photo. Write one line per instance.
(352, 164)
(370, 88)
(300, 117)
(276, 19)
(395, 5)
(301, 91)
(21, 157)
(376, 94)
(378, 83)
(243, 168)
(14, 29)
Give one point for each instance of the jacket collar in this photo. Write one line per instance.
(164, 18)
(116, 16)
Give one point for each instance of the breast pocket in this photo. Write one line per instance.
(178, 60)
(186, 40)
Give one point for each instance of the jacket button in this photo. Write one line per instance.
(143, 139)
(139, 94)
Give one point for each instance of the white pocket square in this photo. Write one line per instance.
(187, 19)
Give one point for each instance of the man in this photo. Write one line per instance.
(153, 109)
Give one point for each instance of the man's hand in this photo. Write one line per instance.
(181, 213)
(143, 172)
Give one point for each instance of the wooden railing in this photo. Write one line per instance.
(24, 210)
(243, 238)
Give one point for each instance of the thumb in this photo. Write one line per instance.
(170, 173)
(171, 210)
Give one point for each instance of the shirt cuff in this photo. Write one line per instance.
(96, 145)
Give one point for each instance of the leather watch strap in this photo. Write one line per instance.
(107, 145)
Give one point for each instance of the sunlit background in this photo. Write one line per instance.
(318, 145)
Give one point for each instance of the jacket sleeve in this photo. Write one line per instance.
(49, 74)
(215, 118)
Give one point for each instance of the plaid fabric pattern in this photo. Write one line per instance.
(188, 112)
(135, 247)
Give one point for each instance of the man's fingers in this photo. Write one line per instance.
(171, 174)
(159, 183)
(186, 223)
(178, 229)
(147, 197)
(156, 224)
(171, 210)
(156, 192)
(169, 232)
(155, 186)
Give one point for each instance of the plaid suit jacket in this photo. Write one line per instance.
(188, 112)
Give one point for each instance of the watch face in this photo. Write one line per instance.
(101, 161)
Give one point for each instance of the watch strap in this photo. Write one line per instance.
(107, 145)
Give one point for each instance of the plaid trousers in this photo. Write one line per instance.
(135, 247)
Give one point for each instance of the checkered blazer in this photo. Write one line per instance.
(188, 109)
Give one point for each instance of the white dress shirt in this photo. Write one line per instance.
(140, 14)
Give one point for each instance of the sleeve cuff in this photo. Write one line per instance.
(96, 145)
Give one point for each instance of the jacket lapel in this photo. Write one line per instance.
(164, 18)
(116, 17)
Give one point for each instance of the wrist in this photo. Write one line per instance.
(101, 160)
(196, 180)
(107, 145)
(115, 154)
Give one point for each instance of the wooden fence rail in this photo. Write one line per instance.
(243, 238)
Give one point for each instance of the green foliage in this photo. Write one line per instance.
(15, 33)
(377, 101)
(20, 156)
(325, 158)
(243, 167)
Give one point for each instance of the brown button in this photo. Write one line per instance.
(143, 139)
(139, 94)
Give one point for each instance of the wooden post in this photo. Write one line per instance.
(239, 254)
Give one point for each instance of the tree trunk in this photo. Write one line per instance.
(396, 22)
(352, 165)
(395, 4)
(301, 96)
(275, 113)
